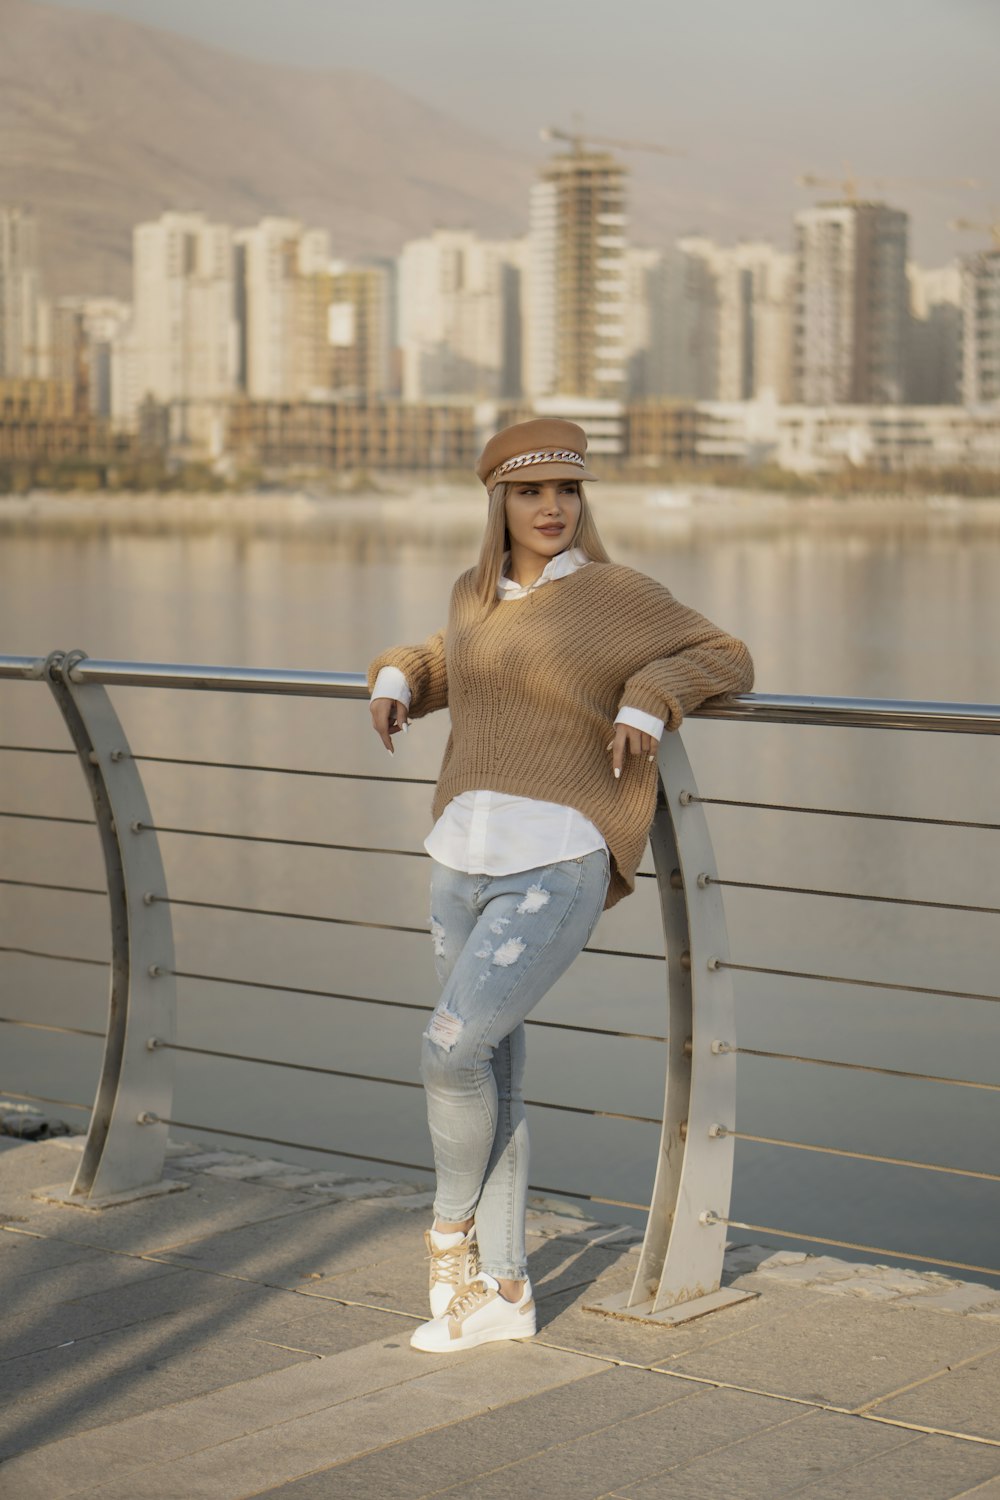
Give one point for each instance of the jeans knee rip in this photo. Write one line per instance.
(437, 937)
(444, 1029)
(535, 897)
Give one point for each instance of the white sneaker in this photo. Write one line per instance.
(477, 1315)
(454, 1263)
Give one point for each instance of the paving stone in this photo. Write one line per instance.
(331, 1238)
(625, 1451)
(91, 1387)
(187, 1300)
(772, 1463)
(965, 1400)
(28, 1164)
(472, 1448)
(151, 1225)
(37, 1293)
(236, 1441)
(843, 1354)
(961, 1297)
(927, 1468)
(26, 1254)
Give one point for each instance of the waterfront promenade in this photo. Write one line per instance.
(248, 1335)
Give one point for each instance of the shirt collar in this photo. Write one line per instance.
(557, 567)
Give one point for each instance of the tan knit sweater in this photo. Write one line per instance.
(534, 686)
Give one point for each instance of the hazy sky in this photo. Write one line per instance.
(900, 88)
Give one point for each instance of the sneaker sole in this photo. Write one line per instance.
(473, 1340)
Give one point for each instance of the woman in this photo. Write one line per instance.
(561, 670)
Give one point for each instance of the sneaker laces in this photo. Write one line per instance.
(446, 1263)
(475, 1293)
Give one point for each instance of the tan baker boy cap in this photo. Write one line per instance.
(544, 448)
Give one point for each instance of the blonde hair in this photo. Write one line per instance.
(496, 541)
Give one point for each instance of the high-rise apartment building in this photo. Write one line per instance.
(343, 337)
(575, 333)
(183, 336)
(981, 327)
(21, 314)
(934, 348)
(851, 304)
(459, 316)
(719, 321)
(271, 260)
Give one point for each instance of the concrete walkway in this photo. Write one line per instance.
(248, 1336)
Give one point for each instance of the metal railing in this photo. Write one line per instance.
(680, 1264)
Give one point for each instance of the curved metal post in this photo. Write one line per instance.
(680, 1264)
(125, 1149)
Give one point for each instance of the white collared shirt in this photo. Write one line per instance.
(491, 833)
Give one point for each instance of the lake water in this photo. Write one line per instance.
(870, 600)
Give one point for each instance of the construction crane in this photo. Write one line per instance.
(975, 224)
(850, 183)
(579, 138)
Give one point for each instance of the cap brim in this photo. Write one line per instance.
(534, 473)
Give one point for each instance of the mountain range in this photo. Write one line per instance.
(104, 123)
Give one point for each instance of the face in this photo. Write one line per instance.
(542, 516)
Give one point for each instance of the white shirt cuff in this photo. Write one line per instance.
(390, 683)
(636, 719)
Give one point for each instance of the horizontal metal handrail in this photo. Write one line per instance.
(845, 812)
(399, 1083)
(306, 916)
(818, 890)
(768, 708)
(386, 1161)
(870, 984)
(822, 1239)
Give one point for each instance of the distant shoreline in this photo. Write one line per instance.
(440, 512)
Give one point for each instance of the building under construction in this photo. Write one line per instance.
(575, 331)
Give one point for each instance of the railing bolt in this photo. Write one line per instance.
(156, 971)
(688, 1048)
(685, 799)
(718, 1131)
(152, 1042)
(676, 880)
(146, 1117)
(715, 963)
(93, 757)
(704, 881)
(148, 897)
(709, 1216)
(117, 755)
(683, 1130)
(719, 1048)
(686, 960)
(135, 826)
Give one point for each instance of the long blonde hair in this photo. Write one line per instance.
(496, 541)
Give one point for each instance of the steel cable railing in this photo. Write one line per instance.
(854, 713)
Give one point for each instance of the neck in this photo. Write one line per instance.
(526, 567)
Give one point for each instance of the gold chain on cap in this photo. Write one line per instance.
(553, 455)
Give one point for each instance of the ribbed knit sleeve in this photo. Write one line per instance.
(693, 659)
(425, 672)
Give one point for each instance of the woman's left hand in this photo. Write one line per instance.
(635, 741)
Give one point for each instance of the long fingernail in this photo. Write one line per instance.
(651, 757)
(618, 772)
(609, 745)
(406, 730)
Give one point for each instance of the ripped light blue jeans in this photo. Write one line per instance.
(500, 942)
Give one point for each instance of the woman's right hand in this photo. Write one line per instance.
(389, 716)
